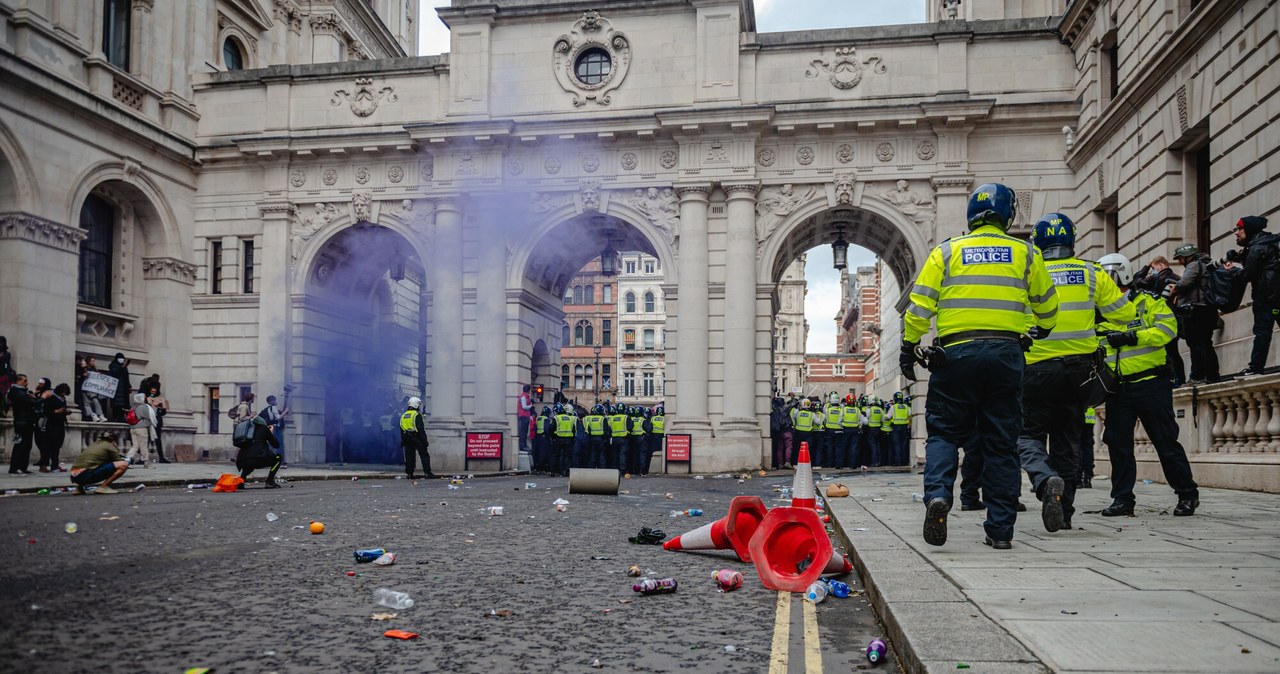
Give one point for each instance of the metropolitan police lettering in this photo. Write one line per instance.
(1067, 277)
(987, 255)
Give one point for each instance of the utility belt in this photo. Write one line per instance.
(966, 335)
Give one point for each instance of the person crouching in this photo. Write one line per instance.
(99, 462)
(257, 454)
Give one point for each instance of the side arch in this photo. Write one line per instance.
(316, 243)
(153, 203)
(26, 189)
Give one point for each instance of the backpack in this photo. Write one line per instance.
(1223, 288)
(242, 436)
(232, 413)
(131, 418)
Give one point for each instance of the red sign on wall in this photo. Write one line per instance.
(484, 445)
(679, 447)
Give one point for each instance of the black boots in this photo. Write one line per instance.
(935, 521)
(1186, 507)
(1120, 510)
(997, 545)
(1051, 503)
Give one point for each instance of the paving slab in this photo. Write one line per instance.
(1147, 647)
(1201, 578)
(994, 577)
(1264, 603)
(1267, 631)
(1114, 606)
(1200, 558)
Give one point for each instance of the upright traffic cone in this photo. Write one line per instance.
(802, 491)
(733, 531)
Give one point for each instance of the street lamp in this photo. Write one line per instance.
(840, 251)
(596, 379)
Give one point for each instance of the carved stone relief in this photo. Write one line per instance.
(466, 166)
(362, 206)
(551, 165)
(662, 208)
(591, 32)
(844, 153)
(364, 101)
(427, 168)
(805, 155)
(515, 166)
(775, 203)
(395, 174)
(589, 191)
(168, 268)
(844, 189)
(305, 228)
(330, 176)
(845, 70)
(629, 161)
(920, 209)
(298, 178)
(362, 175)
(926, 150)
(543, 202)
(766, 157)
(668, 158)
(590, 163)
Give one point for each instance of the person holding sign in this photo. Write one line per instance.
(98, 390)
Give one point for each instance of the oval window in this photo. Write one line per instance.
(592, 66)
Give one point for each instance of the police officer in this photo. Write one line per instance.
(566, 429)
(657, 430)
(618, 438)
(597, 436)
(637, 435)
(885, 436)
(413, 439)
(851, 420)
(803, 423)
(1086, 446)
(833, 422)
(875, 419)
(542, 427)
(900, 417)
(1135, 354)
(1054, 393)
(979, 286)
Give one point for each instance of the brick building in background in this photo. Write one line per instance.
(588, 355)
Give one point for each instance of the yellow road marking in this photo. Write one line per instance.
(812, 647)
(781, 634)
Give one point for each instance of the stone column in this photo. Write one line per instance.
(39, 286)
(272, 286)
(445, 337)
(692, 321)
(141, 38)
(740, 309)
(491, 332)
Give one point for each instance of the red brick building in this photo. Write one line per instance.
(588, 354)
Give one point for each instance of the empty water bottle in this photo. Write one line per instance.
(816, 592)
(918, 498)
(838, 589)
(271, 517)
(392, 599)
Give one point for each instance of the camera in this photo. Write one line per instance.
(288, 388)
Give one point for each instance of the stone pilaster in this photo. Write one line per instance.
(740, 309)
(491, 321)
(445, 341)
(272, 287)
(692, 322)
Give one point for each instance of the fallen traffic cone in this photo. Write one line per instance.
(733, 531)
(802, 491)
(791, 550)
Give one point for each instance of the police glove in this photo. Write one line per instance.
(1037, 332)
(907, 359)
(1119, 339)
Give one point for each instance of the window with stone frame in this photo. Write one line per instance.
(97, 217)
(606, 376)
(646, 385)
(629, 339)
(115, 32)
(577, 295)
(606, 333)
(248, 265)
(564, 335)
(649, 304)
(232, 55)
(568, 295)
(564, 376)
(649, 340)
(628, 383)
(606, 294)
(629, 304)
(589, 295)
(589, 380)
(577, 377)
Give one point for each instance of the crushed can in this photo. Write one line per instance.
(876, 650)
(727, 580)
(366, 556)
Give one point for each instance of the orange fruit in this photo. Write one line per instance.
(317, 527)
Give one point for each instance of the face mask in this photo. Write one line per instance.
(120, 359)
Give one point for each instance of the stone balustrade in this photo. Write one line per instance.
(178, 436)
(1230, 430)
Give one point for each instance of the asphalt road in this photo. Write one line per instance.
(166, 579)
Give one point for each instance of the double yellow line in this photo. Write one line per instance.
(780, 659)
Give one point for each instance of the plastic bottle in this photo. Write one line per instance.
(838, 589)
(688, 512)
(816, 592)
(876, 650)
(651, 586)
(918, 498)
(392, 599)
(363, 556)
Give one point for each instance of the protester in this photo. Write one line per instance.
(119, 369)
(1199, 319)
(22, 404)
(93, 404)
(1261, 259)
(99, 462)
(51, 426)
(151, 388)
(257, 454)
(273, 414)
(143, 432)
(6, 374)
(243, 410)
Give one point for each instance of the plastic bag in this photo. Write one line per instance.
(228, 482)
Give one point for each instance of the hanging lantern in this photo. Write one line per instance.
(840, 251)
(609, 260)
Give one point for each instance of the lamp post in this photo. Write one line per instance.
(596, 378)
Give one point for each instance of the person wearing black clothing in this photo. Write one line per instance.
(258, 453)
(51, 425)
(1199, 319)
(1262, 270)
(23, 406)
(779, 426)
(1158, 278)
(6, 374)
(119, 369)
(413, 439)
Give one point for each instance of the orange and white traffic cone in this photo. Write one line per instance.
(790, 550)
(733, 531)
(803, 494)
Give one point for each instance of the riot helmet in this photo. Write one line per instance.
(992, 204)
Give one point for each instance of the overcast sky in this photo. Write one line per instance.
(772, 16)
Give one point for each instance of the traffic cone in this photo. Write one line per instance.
(803, 494)
(733, 531)
(791, 550)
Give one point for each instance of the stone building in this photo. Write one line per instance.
(588, 351)
(347, 218)
(642, 318)
(790, 330)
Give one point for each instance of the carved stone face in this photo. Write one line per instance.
(786, 190)
(902, 186)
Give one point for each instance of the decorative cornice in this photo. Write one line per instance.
(39, 230)
(325, 23)
(741, 189)
(687, 192)
(168, 268)
(942, 182)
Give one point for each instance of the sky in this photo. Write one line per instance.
(823, 299)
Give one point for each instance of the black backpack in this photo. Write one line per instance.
(1223, 288)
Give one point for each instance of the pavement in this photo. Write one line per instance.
(167, 474)
(1151, 593)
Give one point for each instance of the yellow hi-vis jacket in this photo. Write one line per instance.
(409, 421)
(875, 415)
(1155, 327)
(984, 280)
(637, 426)
(1082, 288)
(594, 423)
(886, 421)
(566, 425)
(832, 417)
(802, 420)
(659, 424)
(1090, 416)
(851, 417)
(901, 414)
(618, 425)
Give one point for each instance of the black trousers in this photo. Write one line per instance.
(802, 438)
(561, 448)
(410, 460)
(1086, 451)
(1199, 327)
(1151, 402)
(20, 456)
(1053, 402)
(274, 466)
(1265, 318)
(831, 452)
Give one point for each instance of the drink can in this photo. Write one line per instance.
(694, 512)
(728, 579)
(876, 650)
(364, 556)
(495, 510)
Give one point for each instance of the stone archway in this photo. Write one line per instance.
(358, 344)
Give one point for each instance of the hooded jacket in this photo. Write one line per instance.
(1261, 261)
(1190, 287)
